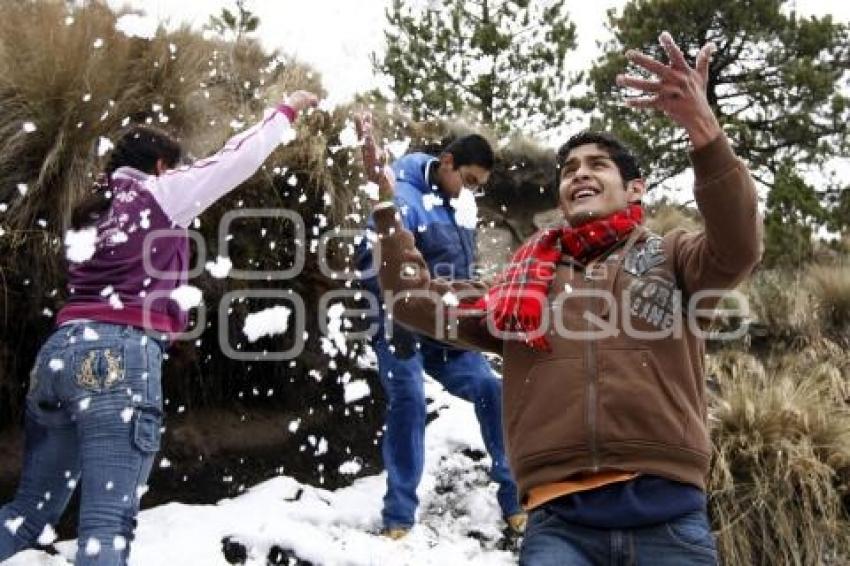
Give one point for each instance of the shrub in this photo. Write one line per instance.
(780, 466)
(780, 304)
(830, 288)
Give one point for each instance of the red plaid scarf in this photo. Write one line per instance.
(517, 298)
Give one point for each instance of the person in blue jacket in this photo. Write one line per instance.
(434, 196)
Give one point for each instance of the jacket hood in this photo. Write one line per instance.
(411, 168)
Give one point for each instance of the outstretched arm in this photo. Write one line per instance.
(679, 91)
(185, 192)
(726, 252)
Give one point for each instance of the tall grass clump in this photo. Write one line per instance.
(665, 217)
(781, 305)
(69, 83)
(781, 465)
(830, 289)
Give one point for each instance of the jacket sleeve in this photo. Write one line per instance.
(730, 246)
(185, 192)
(419, 302)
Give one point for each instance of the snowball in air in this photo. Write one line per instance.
(267, 322)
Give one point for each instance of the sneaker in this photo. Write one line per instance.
(395, 533)
(516, 522)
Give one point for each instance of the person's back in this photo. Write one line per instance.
(140, 256)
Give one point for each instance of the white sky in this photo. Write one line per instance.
(337, 36)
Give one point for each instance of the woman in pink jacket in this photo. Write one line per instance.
(94, 408)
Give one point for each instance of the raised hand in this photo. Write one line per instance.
(374, 158)
(300, 100)
(679, 90)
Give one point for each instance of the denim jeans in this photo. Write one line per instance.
(464, 374)
(551, 541)
(93, 417)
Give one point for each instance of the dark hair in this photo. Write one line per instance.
(617, 151)
(139, 147)
(471, 150)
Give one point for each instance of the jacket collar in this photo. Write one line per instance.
(130, 173)
(415, 170)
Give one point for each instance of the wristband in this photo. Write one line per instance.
(383, 204)
(288, 111)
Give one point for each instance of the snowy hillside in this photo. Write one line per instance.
(459, 518)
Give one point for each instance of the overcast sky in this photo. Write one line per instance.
(337, 36)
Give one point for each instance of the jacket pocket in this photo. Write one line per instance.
(146, 429)
(545, 409)
(636, 402)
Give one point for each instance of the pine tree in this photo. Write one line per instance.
(500, 60)
(239, 24)
(777, 83)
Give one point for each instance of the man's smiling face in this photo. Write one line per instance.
(591, 186)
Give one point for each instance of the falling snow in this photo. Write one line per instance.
(220, 268)
(90, 334)
(356, 390)
(136, 25)
(187, 296)
(268, 322)
(371, 189)
(466, 209)
(92, 547)
(80, 245)
(348, 135)
(430, 200)
(12, 525)
(398, 147)
(335, 342)
(351, 467)
(47, 536)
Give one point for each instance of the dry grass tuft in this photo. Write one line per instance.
(830, 288)
(780, 304)
(666, 217)
(781, 465)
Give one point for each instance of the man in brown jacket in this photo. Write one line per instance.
(598, 324)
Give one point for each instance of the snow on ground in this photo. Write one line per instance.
(459, 519)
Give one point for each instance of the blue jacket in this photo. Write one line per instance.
(448, 248)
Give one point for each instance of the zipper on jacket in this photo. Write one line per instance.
(592, 376)
(459, 230)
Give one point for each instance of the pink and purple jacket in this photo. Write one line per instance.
(120, 283)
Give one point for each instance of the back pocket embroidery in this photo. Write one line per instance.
(100, 368)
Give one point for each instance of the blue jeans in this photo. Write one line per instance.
(551, 541)
(464, 374)
(93, 417)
